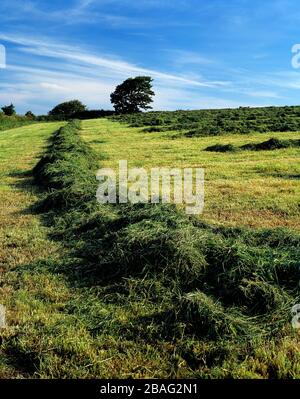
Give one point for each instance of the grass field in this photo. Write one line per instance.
(256, 189)
(60, 325)
(10, 122)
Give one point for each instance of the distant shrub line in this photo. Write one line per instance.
(202, 282)
(14, 121)
(87, 114)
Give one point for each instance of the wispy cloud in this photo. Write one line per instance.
(183, 58)
(117, 67)
(220, 63)
(71, 72)
(81, 12)
(87, 12)
(263, 94)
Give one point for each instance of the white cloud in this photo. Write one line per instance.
(263, 94)
(73, 73)
(174, 99)
(73, 54)
(50, 72)
(79, 13)
(184, 58)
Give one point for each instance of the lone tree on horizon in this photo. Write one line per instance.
(133, 95)
(9, 110)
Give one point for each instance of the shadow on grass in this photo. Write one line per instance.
(280, 175)
(97, 141)
(24, 183)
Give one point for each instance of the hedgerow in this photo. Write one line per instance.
(14, 121)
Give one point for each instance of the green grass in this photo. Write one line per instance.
(269, 145)
(217, 122)
(142, 291)
(11, 122)
(248, 188)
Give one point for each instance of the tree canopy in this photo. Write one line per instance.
(9, 110)
(133, 95)
(68, 108)
(30, 115)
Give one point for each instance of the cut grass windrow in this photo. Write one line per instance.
(269, 145)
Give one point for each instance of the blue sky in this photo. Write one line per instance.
(201, 54)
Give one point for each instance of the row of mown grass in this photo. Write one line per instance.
(218, 122)
(269, 145)
(168, 293)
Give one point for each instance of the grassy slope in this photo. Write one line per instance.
(256, 189)
(50, 317)
(23, 239)
(21, 234)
